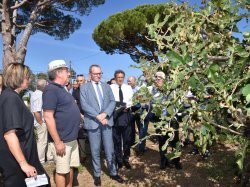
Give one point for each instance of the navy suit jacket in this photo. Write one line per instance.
(90, 106)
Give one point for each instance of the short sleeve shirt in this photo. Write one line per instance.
(66, 111)
(36, 103)
(14, 115)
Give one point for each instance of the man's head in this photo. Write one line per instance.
(119, 76)
(95, 73)
(159, 79)
(112, 81)
(132, 81)
(80, 79)
(58, 72)
(75, 85)
(41, 83)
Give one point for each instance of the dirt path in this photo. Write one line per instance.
(218, 170)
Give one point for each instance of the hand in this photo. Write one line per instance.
(126, 110)
(104, 121)
(43, 124)
(101, 117)
(29, 170)
(60, 148)
(82, 118)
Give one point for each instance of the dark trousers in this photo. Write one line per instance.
(122, 142)
(135, 121)
(163, 138)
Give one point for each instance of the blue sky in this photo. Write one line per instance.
(80, 48)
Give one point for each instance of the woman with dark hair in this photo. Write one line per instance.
(19, 157)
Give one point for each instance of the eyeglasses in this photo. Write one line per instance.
(158, 78)
(80, 75)
(95, 74)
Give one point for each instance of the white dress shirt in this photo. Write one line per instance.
(36, 103)
(126, 91)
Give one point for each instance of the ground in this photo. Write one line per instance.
(218, 170)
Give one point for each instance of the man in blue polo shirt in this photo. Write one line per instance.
(62, 117)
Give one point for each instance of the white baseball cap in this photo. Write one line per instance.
(55, 64)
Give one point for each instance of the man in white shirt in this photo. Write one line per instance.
(136, 119)
(123, 94)
(39, 123)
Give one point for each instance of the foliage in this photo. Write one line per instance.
(199, 53)
(22, 18)
(125, 32)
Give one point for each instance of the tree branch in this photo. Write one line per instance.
(16, 6)
(13, 30)
(45, 3)
(21, 51)
(217, 58)
(20, 26)
(225, 128)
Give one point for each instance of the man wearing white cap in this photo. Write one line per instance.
(160, 79)
(62, 117)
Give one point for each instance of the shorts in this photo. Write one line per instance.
(70, 159)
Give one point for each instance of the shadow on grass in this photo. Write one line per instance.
(218, 170)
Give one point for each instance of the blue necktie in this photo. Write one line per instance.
(99, 95)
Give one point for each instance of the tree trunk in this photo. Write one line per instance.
(6, 34)
(10, 54)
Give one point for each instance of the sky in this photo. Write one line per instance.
(80, 49)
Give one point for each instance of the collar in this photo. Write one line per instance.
(93, 82)
(56, 84)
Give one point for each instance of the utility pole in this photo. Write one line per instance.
(70, 72)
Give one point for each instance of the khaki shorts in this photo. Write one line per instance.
(70, 159)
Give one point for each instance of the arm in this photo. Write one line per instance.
(110, 108)
(51, 125)
(38, 117)
(14, 147)
(130, 96)
(36, 108)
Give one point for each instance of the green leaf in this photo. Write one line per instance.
(246, 34)
(192, 82)
(214, 68)
(175, 58)
(246, 90)
(240, 164)
(210, 128)
(203, 130)
(248, 98)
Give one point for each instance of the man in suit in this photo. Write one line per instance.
(98, 103)
(123, 94)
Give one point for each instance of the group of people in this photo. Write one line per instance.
(64, 116)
